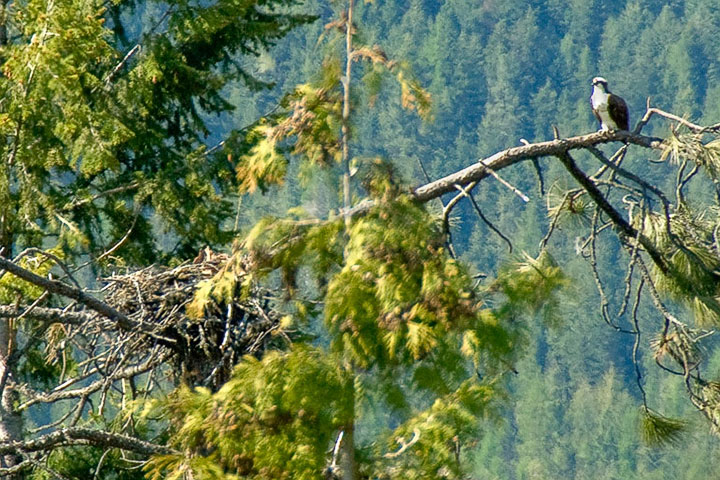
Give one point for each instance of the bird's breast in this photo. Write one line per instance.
(599, 100)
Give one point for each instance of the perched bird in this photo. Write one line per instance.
(610, 110)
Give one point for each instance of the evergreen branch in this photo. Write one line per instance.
(85, 436)
(658, 430)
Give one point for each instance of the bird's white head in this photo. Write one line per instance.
(600, 82)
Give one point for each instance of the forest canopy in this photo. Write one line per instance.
(283, 239)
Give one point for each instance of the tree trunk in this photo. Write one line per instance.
(10, 419)
(347, 463)
(346, 114)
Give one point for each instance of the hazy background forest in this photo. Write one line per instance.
(498, 72)
(501, 73)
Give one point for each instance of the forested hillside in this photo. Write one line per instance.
(500, 72)
(186, 292)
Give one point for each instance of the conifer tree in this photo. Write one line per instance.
(407, 332)
(105, 130)
(388, 350)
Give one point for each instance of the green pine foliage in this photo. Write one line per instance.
(275, 418)
(106, 125)
(403, 319)
(658, 429)
(406, 328)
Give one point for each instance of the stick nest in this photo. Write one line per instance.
(204, 348)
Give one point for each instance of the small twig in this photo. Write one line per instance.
(446, 215)
(84, 201)
(556, 218)
(58, 262)
(636, 345)
(505, 182)
(475, 205)
(134, 50)
(630, 270)
(538, 172)
(625, 229)
(669, 317)
(680, 198)
(404, 445)
(122, 63)
(120, 242)
(691, 126)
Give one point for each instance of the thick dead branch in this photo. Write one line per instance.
(511, 156)
(471, 175)
(626, 230)
(76, 294)
(84, 436)
(53, 315)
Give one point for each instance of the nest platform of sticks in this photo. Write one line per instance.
(204, 348)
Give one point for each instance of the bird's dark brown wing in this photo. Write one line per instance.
(618, 110)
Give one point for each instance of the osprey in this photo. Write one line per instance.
(610, 110)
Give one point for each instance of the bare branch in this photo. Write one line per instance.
(505, 182)
(59, 393)
(625, 228)
(474, 173)
(65, 290)
(511, 156)
(475, 205)
(636, 344)
(404, 445)
(691, 126)
(45, 314)
(112, 191)
(84, 436)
